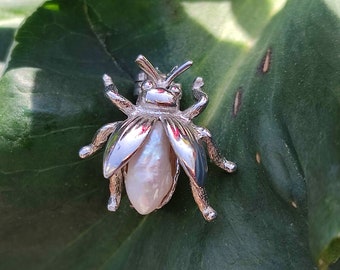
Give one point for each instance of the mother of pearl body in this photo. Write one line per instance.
(149, 178)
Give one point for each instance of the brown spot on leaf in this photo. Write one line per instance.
(237, 101)
(258, 157)
(266, 61)
(294, 204)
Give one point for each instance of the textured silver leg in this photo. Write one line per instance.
(200, 96)
(98, 140)
(216, 157)
(121, 102)
(116, 184)
(201, 199)
(205, 136)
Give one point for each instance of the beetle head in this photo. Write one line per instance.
(159, 89)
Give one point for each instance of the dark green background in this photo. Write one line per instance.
(278, 212)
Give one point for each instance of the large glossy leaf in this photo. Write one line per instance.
(12, 13)
(271, 70)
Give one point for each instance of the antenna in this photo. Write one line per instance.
(178, 71)
(148, 68)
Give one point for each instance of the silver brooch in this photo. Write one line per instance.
(147, 149)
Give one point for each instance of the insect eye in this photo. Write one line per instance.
(147, 85)
(175, 89)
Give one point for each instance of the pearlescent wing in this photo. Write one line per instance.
(125, 142)
(189, 151)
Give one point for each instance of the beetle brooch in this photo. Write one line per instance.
(147, 149)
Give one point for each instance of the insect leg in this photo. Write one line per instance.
(219, 160)
(201, 199)
(121, 102)
(213, 152)
(99, 139)
(200, 96)
(116, 183)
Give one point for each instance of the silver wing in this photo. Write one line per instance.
(124, 142)
(188, 149)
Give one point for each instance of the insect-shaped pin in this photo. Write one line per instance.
(147, 149)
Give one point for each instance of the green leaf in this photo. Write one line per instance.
(12, 13)
(271, 71)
